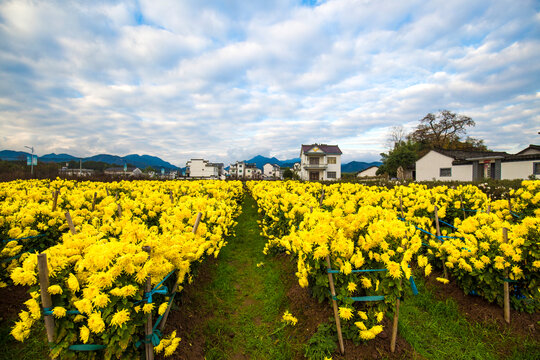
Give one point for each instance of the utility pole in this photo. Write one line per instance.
(80, 167)
(31, 160)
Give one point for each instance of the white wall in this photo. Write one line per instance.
(372, 171)
(517, 169)
(323, 160)
(333, 167)
(428, 168)
(199, 168)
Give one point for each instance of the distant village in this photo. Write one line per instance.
(322, 162)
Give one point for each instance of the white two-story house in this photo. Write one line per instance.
(320, 162)
(203, 169)
(272, 171)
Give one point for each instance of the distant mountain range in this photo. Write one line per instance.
(140, 161)
(351, 167)
(144, 161)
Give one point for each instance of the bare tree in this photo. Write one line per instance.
(441, 129)
(396, 136)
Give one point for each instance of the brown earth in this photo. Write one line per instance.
(479, 310)
(12, 300)
(311, 313)
(190, 318)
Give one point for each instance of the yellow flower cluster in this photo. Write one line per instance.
(101, 270)
(289, 318)
(366, 227)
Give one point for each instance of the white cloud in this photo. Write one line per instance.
(229, 80)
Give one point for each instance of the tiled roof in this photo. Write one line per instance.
(462, 154)
(327, 149)
(531, 147)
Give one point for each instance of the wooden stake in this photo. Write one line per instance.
(510, 204)
(70, 223)
(333, 292)
(462, 206)
(171, 196)
(46, 301)
(439, 234)
(107, 190)
(334, 304)
(395, 325)
(506, 285)
(148, 328)
(175, 287)
(396, 314)
(55, 199)
(94, 201)
(197, 221)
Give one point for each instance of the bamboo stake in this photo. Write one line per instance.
(148, 328)
(94, 201)
(506, 286)
(175, 287)
(70, 223)
(334, 305)
(396, 314)
(55, 199)
(439, 234)
(46, 301)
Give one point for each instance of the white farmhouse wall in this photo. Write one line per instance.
(428, 168)
(197, 168)
(372, 171)
(268, 169)
(333, 167)
(530, 152)
(461, 173)
(517, 169)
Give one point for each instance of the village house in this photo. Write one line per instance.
(120, 171)
(272, 171)
(458, 165)
(243, 170)
(204, 169)
(368, 172)
(320, 162)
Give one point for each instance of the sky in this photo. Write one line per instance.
(228, 80)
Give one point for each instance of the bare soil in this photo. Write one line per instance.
(479, 310)
(311, 313)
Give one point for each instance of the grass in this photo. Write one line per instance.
(35, 347)
(248, 301)
(437, 330)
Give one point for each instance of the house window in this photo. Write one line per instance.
(313, 161)
(331, 160)
(536, 168)
(331, 174)
(240, 170)
(445, 172)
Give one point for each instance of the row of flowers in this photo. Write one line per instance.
(97, 275)
(369, 228)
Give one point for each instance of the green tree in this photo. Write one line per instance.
(288, 174)
(404, 154)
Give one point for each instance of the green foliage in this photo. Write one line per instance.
(288, 174)
(404, 154)
(322, 344)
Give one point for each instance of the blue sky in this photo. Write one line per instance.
(227, 80)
